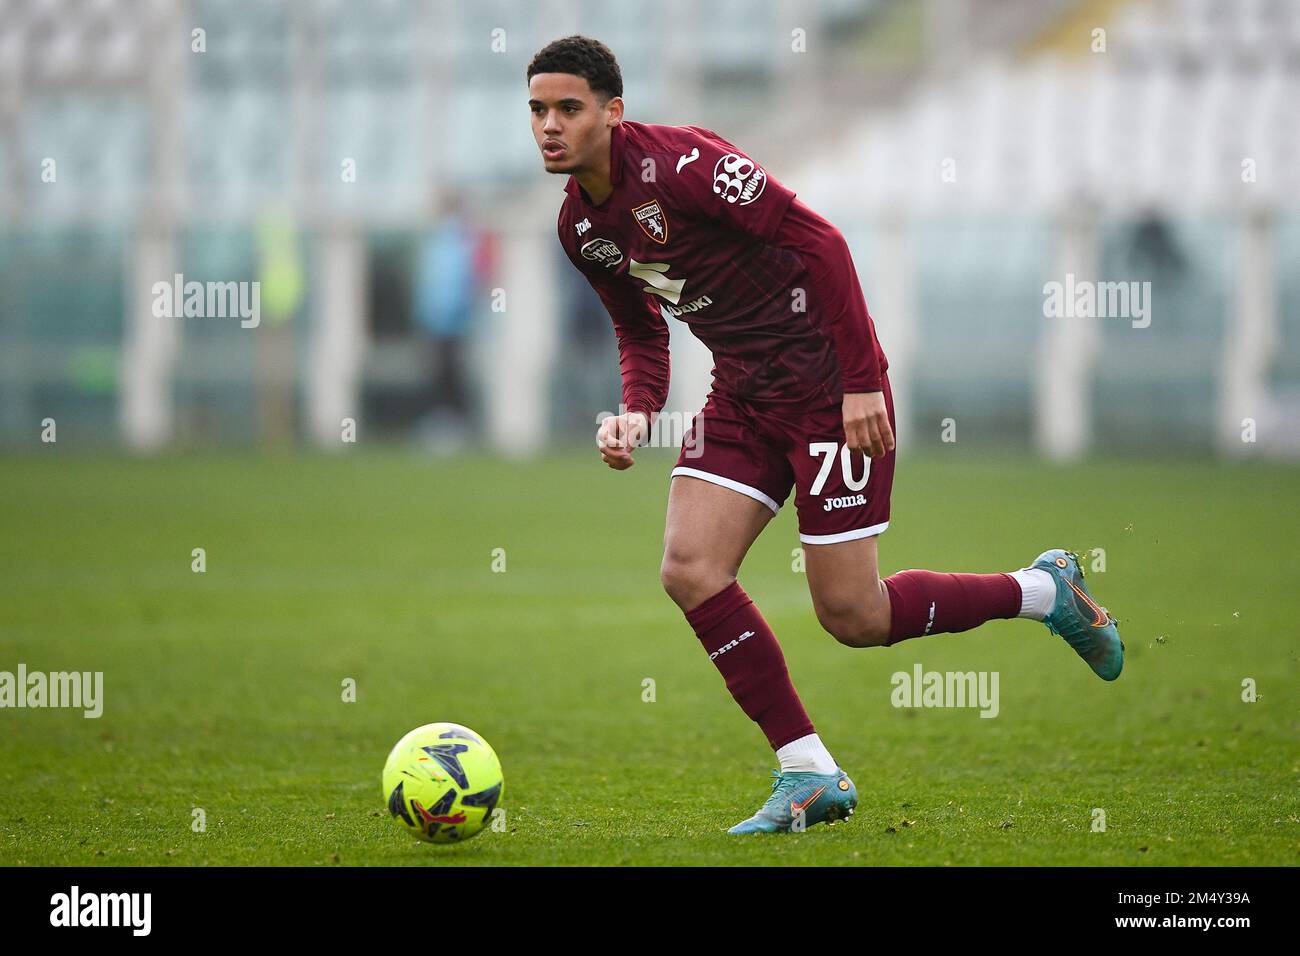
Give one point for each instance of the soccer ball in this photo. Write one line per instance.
(442, 782)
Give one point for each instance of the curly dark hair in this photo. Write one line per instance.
(584, 57)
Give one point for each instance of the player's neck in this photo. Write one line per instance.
(596, 185)
(596, 181)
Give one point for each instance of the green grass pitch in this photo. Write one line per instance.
(223, 690)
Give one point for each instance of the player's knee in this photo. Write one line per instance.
(689, 580)
(854, 624)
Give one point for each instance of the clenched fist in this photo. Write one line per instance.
(618, 435)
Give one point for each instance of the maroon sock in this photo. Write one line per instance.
(928, 602)
(747, 653)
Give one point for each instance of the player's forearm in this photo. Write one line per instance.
(838, 306)
(846, 319)
(646, 368)
(643, 357)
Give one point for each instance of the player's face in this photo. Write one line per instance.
(570, 127)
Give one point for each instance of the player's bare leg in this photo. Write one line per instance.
(851, 601)
(859, 609)
(709, 530)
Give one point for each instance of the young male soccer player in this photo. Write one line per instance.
(676, 221)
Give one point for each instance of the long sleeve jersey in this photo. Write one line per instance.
(697, 231)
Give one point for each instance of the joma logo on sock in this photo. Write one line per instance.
(729, 645)
(946, 689)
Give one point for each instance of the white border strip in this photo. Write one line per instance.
(844, 535)
(727, 483)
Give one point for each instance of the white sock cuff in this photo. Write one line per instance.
(807, 754)
(1037, 592)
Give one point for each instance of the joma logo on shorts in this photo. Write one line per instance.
(848, 501)
(728, 646)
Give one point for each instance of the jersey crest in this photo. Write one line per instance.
(650, 217)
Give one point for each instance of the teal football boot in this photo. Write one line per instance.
(1082, 622)
(800, 800)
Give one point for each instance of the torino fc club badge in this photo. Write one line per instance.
(652, 219)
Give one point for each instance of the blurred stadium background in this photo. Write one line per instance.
(370, 163)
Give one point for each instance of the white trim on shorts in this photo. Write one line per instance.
(844, 535)
(727, 483)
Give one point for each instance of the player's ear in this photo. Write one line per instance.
(614, 111)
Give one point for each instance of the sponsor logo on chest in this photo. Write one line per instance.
(603, 251)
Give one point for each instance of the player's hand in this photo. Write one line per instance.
(866, 423)
(618, 435)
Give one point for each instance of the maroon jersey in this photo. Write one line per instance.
(696, 230)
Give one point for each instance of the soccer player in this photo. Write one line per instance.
(676, 222)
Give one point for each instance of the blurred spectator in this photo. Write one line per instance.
(1155, 247)
(282, 296)
(454, 263)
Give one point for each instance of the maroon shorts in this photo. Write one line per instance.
(839, 495)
